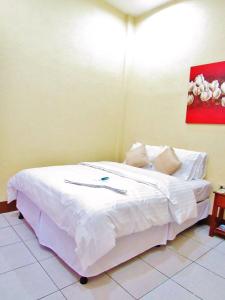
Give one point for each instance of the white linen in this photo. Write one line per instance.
(193, 162)
(201, 188)
(95, 218)
(95, 184)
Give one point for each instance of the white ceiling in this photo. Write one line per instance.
(136, 7)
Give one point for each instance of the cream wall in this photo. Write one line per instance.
(167, 42)
(61, 83)
(80, 81)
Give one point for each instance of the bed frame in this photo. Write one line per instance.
(127, 247)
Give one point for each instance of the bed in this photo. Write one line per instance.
(95, 229)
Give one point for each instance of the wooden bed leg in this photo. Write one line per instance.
(83, 280)
(20, 216)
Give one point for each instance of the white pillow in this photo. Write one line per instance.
(193, 162)
(201, 172)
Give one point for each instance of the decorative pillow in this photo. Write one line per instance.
(137, 157)
(152, 151)
(193, 163)
(167, 162)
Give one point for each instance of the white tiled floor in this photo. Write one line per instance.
(191, 267)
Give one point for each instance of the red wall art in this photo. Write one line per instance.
(206, 94)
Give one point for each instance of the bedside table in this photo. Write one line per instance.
(217, 215)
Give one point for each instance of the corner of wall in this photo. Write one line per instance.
(128, 57)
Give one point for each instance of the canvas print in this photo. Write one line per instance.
(206, 94)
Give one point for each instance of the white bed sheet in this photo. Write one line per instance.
(201, 188)
(95, 218)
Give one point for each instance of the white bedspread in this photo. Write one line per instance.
(96, 217)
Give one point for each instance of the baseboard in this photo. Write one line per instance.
(5, 207)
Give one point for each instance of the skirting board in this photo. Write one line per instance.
(5, 207)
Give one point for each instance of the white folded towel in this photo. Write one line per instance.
(98, 185)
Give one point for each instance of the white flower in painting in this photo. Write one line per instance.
(223, 87)
(190, 99)
(223, 101)
(214, 85)
(191, 86)
(206, 95)
(206, 85)
(199, 79)
(196, 90)
(217, 93)
(202, 88)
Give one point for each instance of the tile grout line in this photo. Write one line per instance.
(186, 288)
(2, 246)
(18, 268)
(192, 263)
(193, 260)
(39, 264)
(121, 286)
(37, 261)
(5, 218)
(209, 270)
(170, 278)
(175, 272)
(19, 222)
(52, 294)
(154, 288)
(204, 244)
(153, 267)
(66, 286)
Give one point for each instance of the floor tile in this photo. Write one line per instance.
(99, 288)
(12, 218)
(25, 231)
(214, 261)
(8, 236)
(220, 247)
(137, 277)
(201, 234)
(165, 260)
(3, 222)
(61, 274)
(26, 283)
(55, 296)
(39, 251)
(169, 291)
(188, 247)
(202, 282)
(14, 256)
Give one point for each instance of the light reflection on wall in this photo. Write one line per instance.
(101, 42)
(168, 35)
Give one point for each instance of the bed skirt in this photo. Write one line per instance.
(51, 236)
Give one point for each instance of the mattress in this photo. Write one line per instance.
(201, 188)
